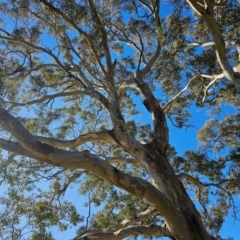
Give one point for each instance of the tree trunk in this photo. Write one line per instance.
(165, 180)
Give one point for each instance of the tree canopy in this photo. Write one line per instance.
(88, 90)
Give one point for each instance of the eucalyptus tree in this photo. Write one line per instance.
(78, 79)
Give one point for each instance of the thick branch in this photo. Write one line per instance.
(151, 230)
(89, 137)
(221, 50)
(152, 60)
(125, 223)
(29, 146)
(206, 10)
(116, 160)
(152, 105)
(125, 86)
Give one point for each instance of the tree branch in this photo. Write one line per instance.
(200, 184)
(104, 41)
(4, 166)
(41, 49)
(47, 97)
(169, 104)
(89, 137)
(29, 146)
(125, 223)
(141, 217)
(87, 37)
(207, 12)
(207, 44)
(220, 3)
(122, 160)
(125, 86)
(150, 230)
(158, 116)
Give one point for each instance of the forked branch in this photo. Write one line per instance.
(29, 146)
(205, 8)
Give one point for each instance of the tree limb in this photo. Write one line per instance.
(89, 137)
(29, 146)
(168, 105)
(125, 223)
(87, 37)
(46, 97)
(104, 41)
(207, 12)
(150, 230)
(158, 116)
(207, 44)
(122, 160)
(220, 3)
(200, 184)
(125, 86)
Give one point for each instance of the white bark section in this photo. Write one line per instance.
(205, 8)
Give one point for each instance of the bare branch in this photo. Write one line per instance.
(87, 37)
(220, 3)
(70, 180)
(150, 230)
(200, 184)
(123, 160)
(89, 137)
(221, 51)
(40, 66)
(152, 60)
(199, 8)
(104, 41)
(125, 86)
(168, 105)
(207, 88)
(4, 166)
(207, 44)
(46, 97)
(127, 222)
